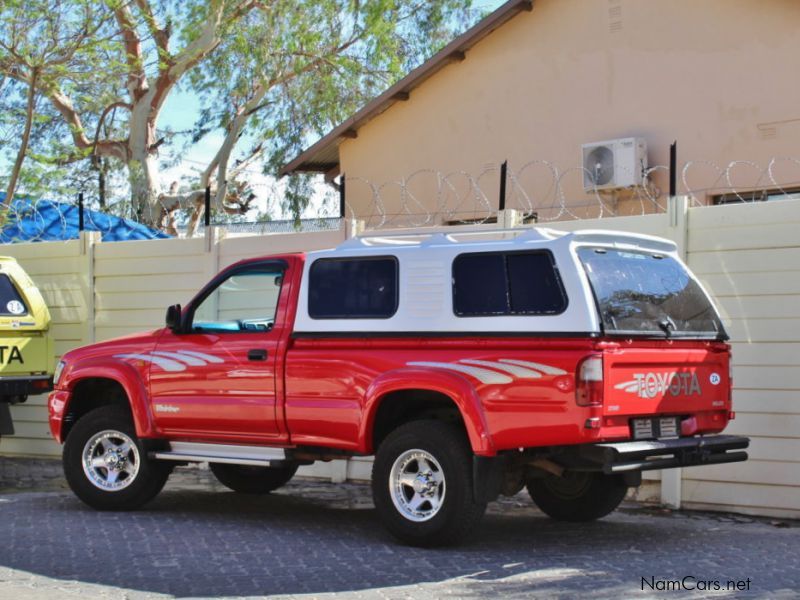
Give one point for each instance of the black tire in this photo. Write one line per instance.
(252, 480)
(140, 483)
(447, 479)
(578, 496)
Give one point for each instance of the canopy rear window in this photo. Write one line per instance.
(648, 293)
(11, 303)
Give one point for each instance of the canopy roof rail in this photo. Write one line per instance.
(436, 238)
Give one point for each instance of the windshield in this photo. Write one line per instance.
(648, 293)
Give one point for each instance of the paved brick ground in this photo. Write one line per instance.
(315, 540)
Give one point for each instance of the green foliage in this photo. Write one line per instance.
(279, 74)
(62, 42)
(322, 61)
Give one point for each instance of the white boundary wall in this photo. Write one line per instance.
(747, 255)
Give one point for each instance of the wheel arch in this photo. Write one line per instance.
(106, 385)
(410, 394)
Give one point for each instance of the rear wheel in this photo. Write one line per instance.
(578, 495)
(252, 480)
(106, 465)
(422, 484)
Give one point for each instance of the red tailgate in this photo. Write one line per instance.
(676, 378)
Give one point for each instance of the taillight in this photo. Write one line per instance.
(589, 384)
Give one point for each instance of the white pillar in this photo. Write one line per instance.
(678, 213)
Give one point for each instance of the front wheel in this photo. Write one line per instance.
(252, 480)
(106, 465)
(577, 496)
(422, 484)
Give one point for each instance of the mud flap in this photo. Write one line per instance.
(6, 426)
(487, 477)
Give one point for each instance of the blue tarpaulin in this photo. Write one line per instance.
(43, 220)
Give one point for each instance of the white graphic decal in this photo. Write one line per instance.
(165, 363)
(482, 375)
(174, 361)
(206, 357)
(495, 372)
(546, 369)
(715, 379)
(656, 385)
(628, 386)
(515, 370)
(168, 408)
(189, 360)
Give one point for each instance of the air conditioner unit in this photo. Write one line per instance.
(614, 164)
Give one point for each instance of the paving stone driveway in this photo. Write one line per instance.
(316, 539)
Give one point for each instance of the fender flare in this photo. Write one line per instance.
(127, 377)
(452, 385)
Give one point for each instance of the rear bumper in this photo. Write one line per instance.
(621, 457)
(25, 385)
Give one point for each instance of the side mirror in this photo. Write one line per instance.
(174, 318)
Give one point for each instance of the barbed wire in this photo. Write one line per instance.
(543, 192)
(540, 190)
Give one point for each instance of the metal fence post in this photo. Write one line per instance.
(503, 177)
(207, 214)
(673, 169)
(342, 197)
(80, 211)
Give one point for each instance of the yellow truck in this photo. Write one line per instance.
(26, 345)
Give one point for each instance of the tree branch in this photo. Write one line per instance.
(102, 119)
(26, 136)
(137, 79)
(62, 103)
(160, 35)
(200, 47)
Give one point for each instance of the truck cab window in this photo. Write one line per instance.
(245, 301)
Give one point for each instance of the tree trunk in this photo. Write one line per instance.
(143, 165)
(26, 136)
(145, 189)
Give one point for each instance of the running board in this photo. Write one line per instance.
(258, 456)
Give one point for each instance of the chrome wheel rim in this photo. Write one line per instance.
(417, 485)
(110, 460)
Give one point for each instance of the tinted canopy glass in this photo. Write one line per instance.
(648, 293)
(353, 288)
(507, 283)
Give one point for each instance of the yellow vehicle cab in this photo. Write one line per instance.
(26, 344)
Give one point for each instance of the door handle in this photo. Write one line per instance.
(257, 354)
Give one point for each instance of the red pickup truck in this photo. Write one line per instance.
(565, 362)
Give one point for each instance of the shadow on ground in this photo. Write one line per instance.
(307, 539)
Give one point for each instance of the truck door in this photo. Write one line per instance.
(216, 379)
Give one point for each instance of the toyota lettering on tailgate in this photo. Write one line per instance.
(655, 385)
